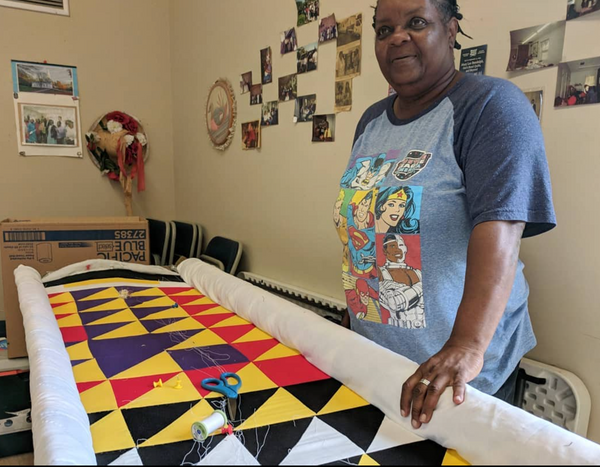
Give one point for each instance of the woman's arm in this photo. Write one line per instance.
(492, 258)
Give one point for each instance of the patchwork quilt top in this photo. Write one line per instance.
(140, 349)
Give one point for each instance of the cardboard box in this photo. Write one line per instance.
(50, 244)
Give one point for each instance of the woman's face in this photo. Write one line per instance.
(413, 46)
(392, 211)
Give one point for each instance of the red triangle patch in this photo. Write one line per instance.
(55, 305)
(74, 334)
(184, 299)
(64, 316)
(127, 390)
(82, 387)
(278, 370)
(197, 309)
(210, 320)
(255, 349)
(196, 376)
(175, 290)
(232, 333)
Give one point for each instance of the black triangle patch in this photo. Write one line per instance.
(96, 417)
(277, 440)
(182, 453)
(145, 422)
(247, 403)
(106, 458)
(349, 461)
(359, 425)
(419, 453)
(315, 395)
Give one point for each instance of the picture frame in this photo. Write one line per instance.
(221, 114)
(53, 7)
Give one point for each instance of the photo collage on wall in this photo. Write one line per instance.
(348, 36)
(46, 103)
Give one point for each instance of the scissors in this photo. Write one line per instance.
(222, 386)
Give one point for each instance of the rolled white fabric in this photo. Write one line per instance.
(61, 429)
(483, 429)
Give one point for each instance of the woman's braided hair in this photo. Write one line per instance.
(448, 9)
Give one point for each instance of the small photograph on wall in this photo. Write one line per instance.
(578, 8)
(306, 106)
(473, 60)
(54, 7)
(578, 83)
(348, 61)
(308, 11)
(44, 79)
(48, 125)
(270, 114)
(246, 82)
(288, 88)
(343, 95)
(256, 94)
(349, 30)
(307, 58)
(323, 128)
(251, 135)
(536, 47)
(266, 66)
(328, 29)
(536, 99)
(289, 43)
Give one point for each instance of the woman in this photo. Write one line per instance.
(483, 186)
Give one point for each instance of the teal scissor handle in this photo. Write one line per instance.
(222, 385)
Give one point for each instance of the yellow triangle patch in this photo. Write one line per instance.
(235, 320)
(159, 364)
(66, 309)
(106, 293)
(99, 398)
(117, 304)
(71, 320)
(254, 335)
(181, 429)
(201, 301)
(111, 433)
(281, 407)
(129, 330)
(161, 301)
(187, 324)
(88, 371)
(167, 394)
(279, 351)
(344, 399)
(254, 380)
(453, 458)
(80, 351)
(154, 292)
(367, 460)
(166, 314)
(62, 298)
(202, 339)
(188, 293)
(218, 310)
(125, 316)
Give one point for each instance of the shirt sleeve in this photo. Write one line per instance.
(503, 158)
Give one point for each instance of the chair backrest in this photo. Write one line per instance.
(225, 250)
(160, 241)
(554, 394)
(199, 244)
(186, 240)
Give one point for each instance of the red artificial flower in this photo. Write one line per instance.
(113, 176)
(129, 123)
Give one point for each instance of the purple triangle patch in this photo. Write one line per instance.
(79, 294)
(117, 355)
(154, 324)
(134, 301)
(141, 313)
(77, 362)
(95, 330)
(215, 355)
(91, 316)
(82, 306)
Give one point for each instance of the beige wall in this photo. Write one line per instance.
(121, 51)
(278, 200)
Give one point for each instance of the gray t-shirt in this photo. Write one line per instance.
(411, 195)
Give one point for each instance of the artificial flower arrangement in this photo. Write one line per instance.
(118, 146)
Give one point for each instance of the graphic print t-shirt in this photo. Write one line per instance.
(413, 191)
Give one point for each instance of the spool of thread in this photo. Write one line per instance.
(201, 430)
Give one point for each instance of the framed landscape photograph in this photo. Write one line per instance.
(54, 7)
